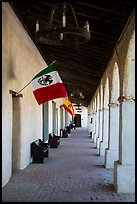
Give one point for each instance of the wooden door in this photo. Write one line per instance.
(77, 120)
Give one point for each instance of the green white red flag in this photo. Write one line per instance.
(47, 85)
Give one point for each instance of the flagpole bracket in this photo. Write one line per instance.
(15, 94)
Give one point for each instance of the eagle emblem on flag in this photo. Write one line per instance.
(45, 80)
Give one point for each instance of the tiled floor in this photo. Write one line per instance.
(74, 172)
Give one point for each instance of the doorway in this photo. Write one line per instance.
(77, 120)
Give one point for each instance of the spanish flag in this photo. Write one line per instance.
(69, 107)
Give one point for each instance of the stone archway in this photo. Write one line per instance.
(124, 168)
(99, 139)
(111, 153)
(104, 142)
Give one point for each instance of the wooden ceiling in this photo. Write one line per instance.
(80, 67)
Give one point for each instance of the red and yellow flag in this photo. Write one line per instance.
(69, 107)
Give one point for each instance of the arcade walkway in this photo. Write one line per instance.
(73, 173)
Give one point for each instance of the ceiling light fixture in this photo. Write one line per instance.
(77, 97)
(62, 27)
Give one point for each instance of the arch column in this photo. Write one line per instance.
(98, 116)
(90, 119)
(99, 138)
(104, 142)
(95, 122)
(111, 153)
(124, 169)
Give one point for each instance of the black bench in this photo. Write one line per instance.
(68, 129)
(72, 126)
(54, 140)
(39, 150)
(65, 133)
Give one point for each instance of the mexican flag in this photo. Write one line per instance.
(69, 107)
(47, 85)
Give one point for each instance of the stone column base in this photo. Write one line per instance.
(103, 146)
(124, 178)
(110, 157)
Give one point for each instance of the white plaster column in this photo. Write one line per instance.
(94, 120)
(97, 126)
(99, 138)
(89, 118)
(67, 118)
(111, 153)
(90, 124)
(104, 142)
(93, 123)
(58, 123)
(63, 117)
(124, 169)
(95, 132)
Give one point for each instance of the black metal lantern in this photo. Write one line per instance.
(62, 27)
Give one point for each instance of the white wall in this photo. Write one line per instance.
(20, 62)
(84, 115)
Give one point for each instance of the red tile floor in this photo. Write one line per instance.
(73, 172)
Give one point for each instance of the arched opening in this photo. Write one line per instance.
(97, 119)
(104, 142)
(111, 153)
(99, 139)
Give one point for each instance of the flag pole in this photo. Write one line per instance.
(24, 87)
(31, 80)
(52, 63)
